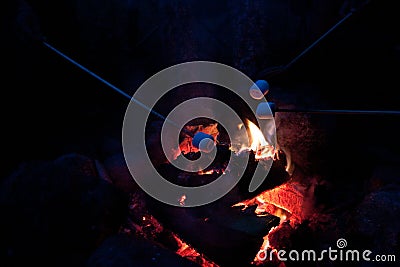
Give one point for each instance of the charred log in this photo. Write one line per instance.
(228, 236)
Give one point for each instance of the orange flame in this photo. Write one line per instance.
(258, 144)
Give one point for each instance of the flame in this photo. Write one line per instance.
(258, 144)
(257, 137)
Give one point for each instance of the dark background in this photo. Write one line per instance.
(51, 108)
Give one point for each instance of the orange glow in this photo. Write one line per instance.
(266, 243)
(285, 201)
(182, 200)
(209, 172)
(186, 251)
(205, 172)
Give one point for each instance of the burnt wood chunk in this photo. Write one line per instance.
(227, 235)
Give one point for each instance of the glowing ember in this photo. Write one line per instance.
(267, 245)
(285, 201)
(258, 143)
(206, 172)
(212, 171)
(182, 200)
(190, 253)
(150, 228)
(265, 249)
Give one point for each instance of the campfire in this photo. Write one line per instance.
(70, 196)
(241, 224)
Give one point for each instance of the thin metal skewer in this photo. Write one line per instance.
(159, 115)
(272, 71)
(341, 111)
(317, 41)
(315, 111)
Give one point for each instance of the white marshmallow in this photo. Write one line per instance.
(259, 89)
(265, 111)
(204, 142)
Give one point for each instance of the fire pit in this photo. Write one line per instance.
(233, 229)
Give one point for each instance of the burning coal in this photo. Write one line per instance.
(289, 202)
(186, 251)
(285, 201)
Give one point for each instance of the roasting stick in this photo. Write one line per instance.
(267, 110)
(199, 137)
(159, 115)
(341, 111)
(204, 142)
(272, 71)
(317, 41)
